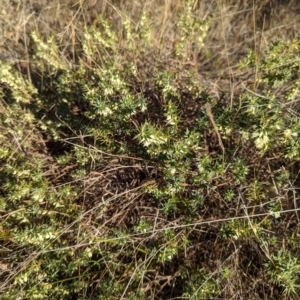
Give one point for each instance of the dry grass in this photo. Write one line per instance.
(236, 26)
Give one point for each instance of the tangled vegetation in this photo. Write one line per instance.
(127, 174)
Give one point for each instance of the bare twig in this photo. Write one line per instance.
(212, 120)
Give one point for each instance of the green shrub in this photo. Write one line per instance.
(114, 186)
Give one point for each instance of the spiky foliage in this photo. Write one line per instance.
(119, 182)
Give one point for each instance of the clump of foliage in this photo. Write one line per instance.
(119, 183)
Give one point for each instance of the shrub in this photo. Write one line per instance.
(118, 182)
